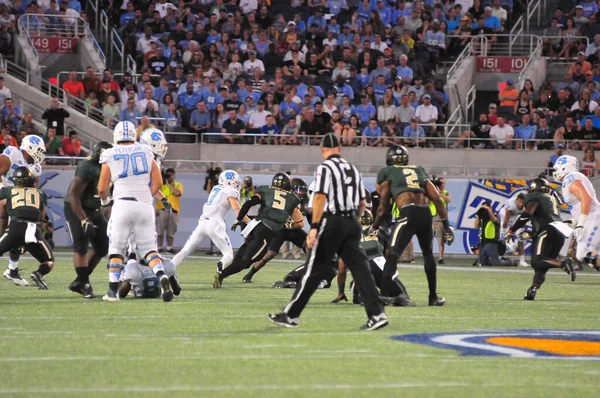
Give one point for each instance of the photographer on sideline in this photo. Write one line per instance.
(167, 222)
(246, 193)
(438, 228)
(489, 234)
(212, 177)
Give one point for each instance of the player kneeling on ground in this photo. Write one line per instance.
(549, 232)
(141, 281)
(26, 207)
(374, 250)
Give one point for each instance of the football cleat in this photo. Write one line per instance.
(111, 296)
(441, 261)
(14, 276)
(531, 293)
(38, 279)
(165, 288)
(567, 266)
(217, 284)
(284, 285)
(219, 267)
(282, 319)
(247, 278)
(436, 301)
(76, 286)
(324, 284)
(87, 292)
(375, 322)
(338, 299)
(401, 301)
(175, 286)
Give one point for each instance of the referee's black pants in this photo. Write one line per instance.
(339, 235)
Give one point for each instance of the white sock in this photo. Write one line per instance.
(169, 247)
(13, 264)
(158, 267)
(114, 276)
(522, 258)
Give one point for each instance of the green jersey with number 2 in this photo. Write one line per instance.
(276, 206)
(403, 179)
(23, 203)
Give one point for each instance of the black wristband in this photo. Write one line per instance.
(314, 225)
(445, 224)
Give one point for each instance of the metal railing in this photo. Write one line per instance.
(50, 89)
(470, 103)
(53, 26)
(534, 8)
(533, 58)
(62, 76)
(515, 33)
(466, 52)
(181, 136)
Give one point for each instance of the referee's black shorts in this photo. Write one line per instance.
(78, 236)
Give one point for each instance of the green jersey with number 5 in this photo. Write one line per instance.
(23, 203)
(403, 179)
(546, 212)
(276, 206)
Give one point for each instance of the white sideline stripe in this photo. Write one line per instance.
(326, 355)
(270, 387)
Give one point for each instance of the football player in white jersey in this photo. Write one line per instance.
(138, 279)
(509, 213)
(222, 198)
(579, 193)
(130, 166)
(31, 154)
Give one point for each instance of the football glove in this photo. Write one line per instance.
(238, 223)
(509, 237)
(167, 205)
(448, 237)
(289, 224)
(577, 232)
(89, 228)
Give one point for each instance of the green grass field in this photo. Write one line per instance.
(219, 343)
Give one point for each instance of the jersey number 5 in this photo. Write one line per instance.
(279, 200)
(23, 197)
(412, 180)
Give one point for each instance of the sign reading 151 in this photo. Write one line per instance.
(54, 44)
(501, 64)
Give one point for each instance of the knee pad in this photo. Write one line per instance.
(152, 256)
(112, 264)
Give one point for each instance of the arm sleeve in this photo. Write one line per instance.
(253, 201)
(521, 221)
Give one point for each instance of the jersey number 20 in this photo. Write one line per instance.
(25, 197)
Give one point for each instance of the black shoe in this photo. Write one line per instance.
(165, 288)
(175, 286)
(219, 267)
(531, 293)
(567, 266)
(161, 250)
(38, 279)
(441, 261)
(402, 301)
(325, 284)
(87, 292)
(282, 319)
(218, 281)
(375, 322)
(338, 299)
(76, 286)
(437, 301)
(15, 276)
(247, 278)
(171, 251)
(578, 267)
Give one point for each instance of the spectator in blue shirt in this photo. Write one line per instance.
(268, 131)
(334, 27)
(11, 114)
(365, 111)
(384, 12)
(379, 88)
(372, 134)
(75, 5)
(364, 10)
(335, 6)
(211, 98)
(288, 108)
(318, 19)
(130, 113)
(413, 133)
(589, 7)
(404, 71)
(490, 21)
(200, 119)
(189, 98)
(525, 132)
(127, 16)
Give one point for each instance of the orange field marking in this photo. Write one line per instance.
(559, 347)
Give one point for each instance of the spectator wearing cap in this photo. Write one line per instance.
(426, 113)
(74, 86)
(200, 119)
(317, 19)
(585, 65)
(491, 21)
(105, 91)
(372, 134)
(508, 97)
(501, 135)
(492, 114)
(413, 134)
(558, 152)
(252, 63)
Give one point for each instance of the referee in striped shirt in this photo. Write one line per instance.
(338, 202)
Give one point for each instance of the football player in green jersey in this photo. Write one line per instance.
(411, 189)
(26, 207)
(549, 233)
(372, 245)
(277, 204)
(85, 221)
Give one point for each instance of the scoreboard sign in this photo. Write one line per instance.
(501, 64)
(61, 45)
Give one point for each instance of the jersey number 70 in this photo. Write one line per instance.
(139, 165)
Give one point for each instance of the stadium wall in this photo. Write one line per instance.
(467, 196)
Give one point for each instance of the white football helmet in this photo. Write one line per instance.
(230, 178)
(565, 165)
(155, 139)
(124, 131)
(34, 146)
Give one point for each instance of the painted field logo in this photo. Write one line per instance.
(564, 344)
